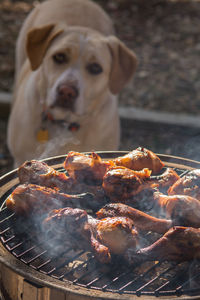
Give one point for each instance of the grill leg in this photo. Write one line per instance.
(14, 287)
(11, 283)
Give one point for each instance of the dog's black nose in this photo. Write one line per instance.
(66, 96)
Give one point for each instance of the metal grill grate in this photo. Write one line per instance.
(81, 268)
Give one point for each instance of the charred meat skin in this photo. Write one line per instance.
(37, 172)
(121, 184)
(89, 169)
(166, 179)
(189, 185)
(27, 199)
(139, 159)
(182, 209)
(178, 244)
(103, 237)
(141, 220)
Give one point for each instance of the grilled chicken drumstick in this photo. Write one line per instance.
(166, 179)
(139, 159)
(104, 237)
(141, 220)
(183, 210)
(178, 244)
(89, 169)
(117, 234)
(72, 224)
(29, 198)
(121, 184)
(92, 168)
(189, 185)
(37, 172)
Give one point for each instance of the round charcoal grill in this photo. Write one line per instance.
(32, 267)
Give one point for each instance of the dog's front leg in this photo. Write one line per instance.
(24, 121)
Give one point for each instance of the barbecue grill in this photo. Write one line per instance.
(32, 270)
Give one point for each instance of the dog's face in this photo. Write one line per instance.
(77, 67)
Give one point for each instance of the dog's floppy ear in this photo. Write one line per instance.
(123, 66)
(38, 40)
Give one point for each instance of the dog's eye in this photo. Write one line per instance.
(94, 68)
(60, 58)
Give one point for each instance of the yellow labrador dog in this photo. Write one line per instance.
(69, 69)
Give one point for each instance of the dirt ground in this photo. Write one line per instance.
(165, 36)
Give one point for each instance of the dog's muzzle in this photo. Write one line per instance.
(66, 95)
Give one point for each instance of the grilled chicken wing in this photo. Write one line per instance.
(103, 237)
(139, 159)
(183, 210)
(86, 168)
(178, 244)
(122, 184)
(29, 198)
(189, 185)
(37, 172)
(141, 220)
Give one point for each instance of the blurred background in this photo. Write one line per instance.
(160, 108)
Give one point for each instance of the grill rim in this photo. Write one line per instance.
(27, 272)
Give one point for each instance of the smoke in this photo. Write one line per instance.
(188, 146)
(194, 274)
(60, 140)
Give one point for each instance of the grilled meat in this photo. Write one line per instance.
(122, 184)
(72, 224)
(100, 251)
(139, 159)
(166, 179)
(27, 199)
(141, 220)
(189, 185)
(103, 237)
(68, 219)
(117, 234)
(178, 244)
(37, 172)
(86, 168)
(182, 209)
(134, 187)
(91, 168)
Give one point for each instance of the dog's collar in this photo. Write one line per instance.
(71, 126)
(43, 134)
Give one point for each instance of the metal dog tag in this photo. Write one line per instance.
(42, 135)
